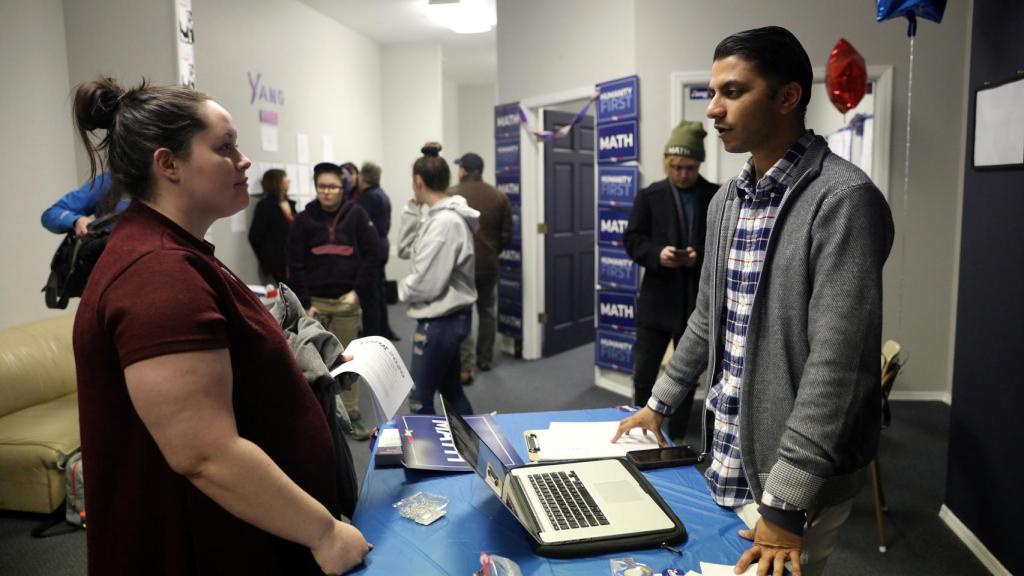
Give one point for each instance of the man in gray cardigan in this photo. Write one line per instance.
(788, 316)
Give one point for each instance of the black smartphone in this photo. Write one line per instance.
(664, 457)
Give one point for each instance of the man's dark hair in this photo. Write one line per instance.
(775, 54)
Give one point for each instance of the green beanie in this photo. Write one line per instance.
(687, 139)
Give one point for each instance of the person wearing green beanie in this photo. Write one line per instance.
(665, 235)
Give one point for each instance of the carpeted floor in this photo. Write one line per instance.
(912, 458)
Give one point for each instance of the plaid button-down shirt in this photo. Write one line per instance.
(760, 201)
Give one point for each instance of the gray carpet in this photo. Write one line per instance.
(912, 456)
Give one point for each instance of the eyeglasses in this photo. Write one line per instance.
(328, 187)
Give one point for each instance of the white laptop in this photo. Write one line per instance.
(562, 503)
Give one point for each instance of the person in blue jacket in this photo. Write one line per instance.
(76, 209)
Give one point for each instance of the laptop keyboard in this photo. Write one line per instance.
(566, 501)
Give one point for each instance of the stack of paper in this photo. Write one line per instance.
(579, 440)
(709, 569)
(381, 369)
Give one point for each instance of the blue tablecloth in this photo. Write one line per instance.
(476, 521)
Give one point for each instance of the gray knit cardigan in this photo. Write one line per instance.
(810, 401)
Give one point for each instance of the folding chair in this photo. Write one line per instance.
(891, 365)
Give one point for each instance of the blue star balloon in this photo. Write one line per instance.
(911, 9)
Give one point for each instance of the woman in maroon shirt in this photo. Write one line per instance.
(206, 450)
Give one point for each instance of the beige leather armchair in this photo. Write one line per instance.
(38, 413)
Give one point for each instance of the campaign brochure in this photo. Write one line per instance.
(427, 442)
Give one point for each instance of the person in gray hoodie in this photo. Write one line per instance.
(437, 235)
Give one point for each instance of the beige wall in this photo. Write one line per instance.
(654, 38)
(37, 158)
(476, 123)
(413, 97)
(331, 81)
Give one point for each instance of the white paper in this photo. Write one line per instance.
(999, 125)
(302, 148)
(255, 176)
(292, 171)
(382, 370)
(840, 142)
(268, 137)
(576, 440)
(867, 147)
(239, 222)
(709, 569)
(328, 155)
(303, 185)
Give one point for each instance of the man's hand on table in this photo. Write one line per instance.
(773, 547)
(646, 419)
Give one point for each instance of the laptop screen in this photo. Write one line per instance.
(474, 450)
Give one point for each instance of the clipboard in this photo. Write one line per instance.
(588, 445)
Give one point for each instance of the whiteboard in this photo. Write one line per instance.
(999, 125)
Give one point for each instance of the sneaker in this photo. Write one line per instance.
(359, 430)
(466, 377)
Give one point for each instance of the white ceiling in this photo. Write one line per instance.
(468, 58)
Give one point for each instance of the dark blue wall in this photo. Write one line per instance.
(986, 448)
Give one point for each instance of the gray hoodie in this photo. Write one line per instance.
(439, 241)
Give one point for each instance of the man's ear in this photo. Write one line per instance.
(789, 97)
(166, 165)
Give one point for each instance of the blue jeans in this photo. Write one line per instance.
(436, 363)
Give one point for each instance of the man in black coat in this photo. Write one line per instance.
(665, 235)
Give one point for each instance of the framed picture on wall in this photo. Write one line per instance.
(999, 125)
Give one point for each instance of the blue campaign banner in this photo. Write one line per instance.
(617, 142)
(617, 185)
(611, 224)
(616, 310)
(510, 318)
(506, 121)
(511, 258)
(506, 157)
(618, 100)
(615, 269)
(427, 442)
(517, 234)
(509, 184)
(615, 350)
(510, 287)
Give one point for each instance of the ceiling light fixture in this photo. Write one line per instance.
(462, 16)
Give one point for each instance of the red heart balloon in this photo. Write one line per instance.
(846, 77)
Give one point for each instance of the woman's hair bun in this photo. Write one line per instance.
(96, 103)
(431, 149)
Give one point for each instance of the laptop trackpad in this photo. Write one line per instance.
(618, 492)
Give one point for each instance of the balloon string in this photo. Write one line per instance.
(906, 190)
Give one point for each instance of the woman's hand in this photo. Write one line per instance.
(340, 549)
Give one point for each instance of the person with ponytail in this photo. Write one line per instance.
(437, 235)
(271, 221)
(206, 449)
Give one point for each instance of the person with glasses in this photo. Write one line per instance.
(333, 253)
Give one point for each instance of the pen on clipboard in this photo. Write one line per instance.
(531, 443)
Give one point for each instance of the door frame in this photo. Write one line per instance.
(882, 76)
(531, 171)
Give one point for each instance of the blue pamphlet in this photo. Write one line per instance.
(427, 442)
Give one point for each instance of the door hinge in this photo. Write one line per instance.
(542, 228)
(542, 318)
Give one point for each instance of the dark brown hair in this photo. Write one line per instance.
(273, 184)
(137, 122)
(432, 168)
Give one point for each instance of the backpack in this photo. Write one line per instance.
(74, 260)
(73, 509)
